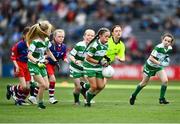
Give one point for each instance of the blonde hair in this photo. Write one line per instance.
(58, 30)
(41, 30)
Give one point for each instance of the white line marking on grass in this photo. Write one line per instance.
(121, 86)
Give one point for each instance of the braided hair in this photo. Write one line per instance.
(100, 32)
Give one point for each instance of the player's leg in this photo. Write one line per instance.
(139, 87)
(52, 82)
(33, 91)
(24, 78)
(19, 92)
(164, 79)
(101, 82)
(42, 87)
(92, 91)
(84, 83)
(77, 89)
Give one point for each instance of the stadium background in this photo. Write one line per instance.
(143, 22)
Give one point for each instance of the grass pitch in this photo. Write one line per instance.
(112, 105)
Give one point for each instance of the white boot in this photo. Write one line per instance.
(32, 99)
(52, 100)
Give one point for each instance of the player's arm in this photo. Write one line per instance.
(121, 55)
(65, 56)
(72, 55)
(89, 56)
(120, 59)
(90, 59)
(30, 56)
(31, 49)
(73, 59)
(14, 55)
(154, 60)
(49, 53)
(153, 57)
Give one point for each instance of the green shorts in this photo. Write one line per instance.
(34, 69)
(93, 73)
(150, 71)
(75, 74)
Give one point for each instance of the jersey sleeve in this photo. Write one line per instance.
(91, 51)
(14, 53)
(65, 53)
(49, 44)
(32, 47)
(74, 51)
(154, 53)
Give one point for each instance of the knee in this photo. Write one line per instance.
(93, 87)
(101, 87)
(44, 86)
(143, 84)
(165, 82)
(24, 87)
(78, 88)
(52, 79)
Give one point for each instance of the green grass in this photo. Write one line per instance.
(112, 105)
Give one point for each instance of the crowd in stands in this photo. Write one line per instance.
(74, 16)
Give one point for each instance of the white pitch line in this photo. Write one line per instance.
(121, 86)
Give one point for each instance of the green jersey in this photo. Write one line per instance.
(160, 53)
(115, 49)
(97, 52)
(38, 48)
(78, 54)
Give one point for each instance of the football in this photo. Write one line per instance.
(108, 71)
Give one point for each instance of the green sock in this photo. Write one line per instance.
(163, 91)
(32, 88)
(138, 89)
(89, 96)
(87, 86)
(76, 97)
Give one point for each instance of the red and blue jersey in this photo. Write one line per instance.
(59, 52)
(19, 51)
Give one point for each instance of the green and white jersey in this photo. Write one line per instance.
(97, 52)
(78, 54)
(38, 48)
(160, 53)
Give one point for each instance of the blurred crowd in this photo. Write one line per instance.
(74, 16)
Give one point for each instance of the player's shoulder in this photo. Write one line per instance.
(80, 43)
(21, 43)
(161, 46)
(170, 47)
(121, 43)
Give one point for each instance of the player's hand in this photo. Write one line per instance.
(41, 65)
(165, 63)
(107, 58)
(66, 60)
(58, 65)
(103, 62)
(42, 59)
(78, 62)
(16, 70)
